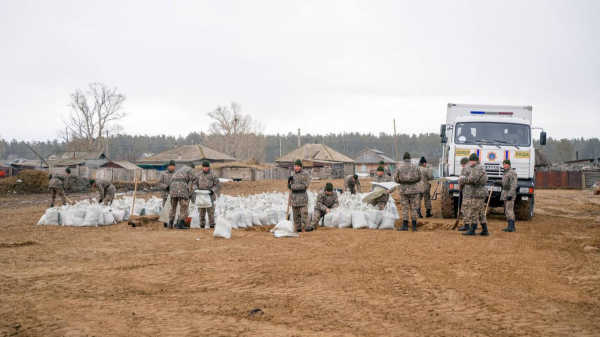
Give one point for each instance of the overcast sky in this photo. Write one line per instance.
(322, 66)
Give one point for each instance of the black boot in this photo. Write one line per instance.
(171, 224)
(511, 226)
(404, 226)
(471, 230)
(414, 225)
(419, 214)
(299, 229)
(211, 226)
(428, 214)
(308, 229)
(51, 204)
(484, 231)
(465, 227)
(181, 224)
(165, 224)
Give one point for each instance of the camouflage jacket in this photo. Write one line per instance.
(408, 175)
(382, 179)
(426, 175)
(509, 184)
(350, 184)
(57, 180)
(208, 181)
(165, 181)
(182, 182)
(325, 201)
(104, 187)
(463, 173)
(300, 183)
(475, 181)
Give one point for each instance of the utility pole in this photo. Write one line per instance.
(280, 154)
(107, 151)
(299, 138)
(395, 142)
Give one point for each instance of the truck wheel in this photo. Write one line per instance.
(524, 209)
(448, 204)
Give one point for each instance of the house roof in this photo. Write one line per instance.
(317, 152)
(370, 156)
(85, 155)
(127, 165)
(186, 154)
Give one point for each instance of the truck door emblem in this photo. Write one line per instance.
(491, 156)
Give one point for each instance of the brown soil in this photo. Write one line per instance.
(123, 280)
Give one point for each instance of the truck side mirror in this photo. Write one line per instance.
(444, 140)
(542, 138)
(443, 131)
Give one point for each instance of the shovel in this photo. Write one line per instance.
(489, 197)
(458, 212)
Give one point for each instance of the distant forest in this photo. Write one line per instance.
(128, 147)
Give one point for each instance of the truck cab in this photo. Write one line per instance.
(494, 133)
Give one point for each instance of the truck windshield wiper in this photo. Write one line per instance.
(503, 142)
(488, 142)
(469, 142)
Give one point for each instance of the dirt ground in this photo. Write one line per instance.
(125, 281)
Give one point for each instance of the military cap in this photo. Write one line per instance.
(464, 160)
(68, 170)
(506, 161)
(205, 163)
(298, 162)
(329, 187)
(422, 161)
(171, 163)
(92, 181)
(406, 156)
(473, 157)
(380, 168)
(355, 177)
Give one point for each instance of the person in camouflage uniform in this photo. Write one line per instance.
(381, 177)
(425, 188)
(408, 175)
(351, 184)
(298, 184)
(180, 194)
(106, 189)
(164, 183)
(327, 201)
(509, 194)
(465, 211)
(57, 183)
(208, 180)
(474, 195)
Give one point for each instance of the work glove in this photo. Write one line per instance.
(168, 188)
(290, 180)
(210, 192)
(100, 201)
(509, 198)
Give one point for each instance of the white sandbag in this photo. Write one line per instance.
(242, 219)
(248, 218)
(118, 214)
(233, 217)
(108, 217)
(264, 219)
(93, 216)
(222, 228)
(373, 219)
(42, 220)
(273, 216)
(152, 210)
(79, 213)
(284, 226)
(387, 221)
(66, 217)
(195, 215)
(202, 199)
(394, 210)
(328, 219)
(335, 221)
(256, 220)
(139, 208)
(164, 215)
(52, 217)
(345, 220)
(359, 220)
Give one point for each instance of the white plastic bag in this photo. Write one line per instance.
(373, 219)
(108, 217)
(42, 220)
(329, 217)
(222, 228)
(284, 226)
(273, 216)
(345, 220)
(387, 221)
(93, 216)
(202, 199)
(233, 217)
(52, 217)
(66, 218)
(195, 215)
(118, 214)
(394, 210)
(359, 220)
(248, 218)
(256, 220)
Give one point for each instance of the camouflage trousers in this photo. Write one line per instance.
(300, 216)
(184, 205)
(380, 203)
(109, 196)
(476, 210)
(317, 216)
(509, 209)
(410, 204)
(60, 192)
(427, 197)
(465, 211)
(211, 215)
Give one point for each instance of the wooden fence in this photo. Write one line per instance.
(109, 173)
(558, 179)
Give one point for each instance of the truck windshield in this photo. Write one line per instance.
(492, 133)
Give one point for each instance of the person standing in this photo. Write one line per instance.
(208, 180)
(164, 183)
(298, 184)
(425, 187)
(465, 210)
(351, 184)
(327, 201)
(180, 194)
(57, 183)
(509, 194)
(106, 189)
(408, 175)
(474, 195)
(381, 177)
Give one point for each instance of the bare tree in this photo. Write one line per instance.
(92, 113)
(236, 134)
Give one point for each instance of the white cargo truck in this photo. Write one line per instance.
(494, 133)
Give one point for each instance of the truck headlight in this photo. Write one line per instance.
(525, 190)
